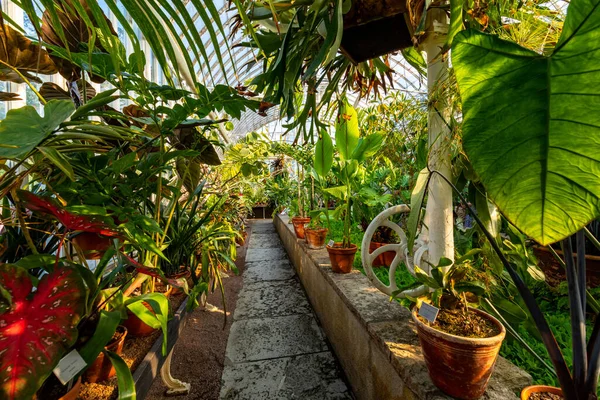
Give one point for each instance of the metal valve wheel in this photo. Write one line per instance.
(401, 250)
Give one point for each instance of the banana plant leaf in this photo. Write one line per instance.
(531, 124)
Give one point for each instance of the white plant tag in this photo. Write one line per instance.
(69, 366)
(428, 312)
(331, 243)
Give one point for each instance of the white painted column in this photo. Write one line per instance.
(438, 214)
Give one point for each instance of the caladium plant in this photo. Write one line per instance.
(39, 326)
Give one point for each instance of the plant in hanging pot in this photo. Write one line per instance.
(460, 343)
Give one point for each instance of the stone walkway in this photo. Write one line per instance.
(276, 350)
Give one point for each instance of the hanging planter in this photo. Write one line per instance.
(373, 28)
(341, 258)
(460, 366)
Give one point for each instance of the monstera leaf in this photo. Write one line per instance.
(17, 53)
(532, 126)
(38, 328)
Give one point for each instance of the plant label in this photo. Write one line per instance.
(69, 366)
(331, 243)
(428, 312)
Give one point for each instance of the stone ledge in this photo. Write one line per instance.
(390, 364)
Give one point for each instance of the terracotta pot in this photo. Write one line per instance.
(315, 238)
(184, 274)
(102, 369)
(529, 390)
(299, 223)
(341, 258)
(241, 241)
(384, 259)
(460, 366)
(556, 272)
(136, 327)
(70, 395)
(93, 245)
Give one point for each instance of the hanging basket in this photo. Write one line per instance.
(373, 28)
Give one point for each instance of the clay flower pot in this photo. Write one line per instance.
(384, 259)
(186, 274)
(315, 238)
(299, 223)
(102, 369)
(72, 394)
(136, 327)
(341, 258)
(460, 366)
(48, 391)
(529, 390)
(93, 245)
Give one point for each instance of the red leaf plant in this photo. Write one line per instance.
(72, 222)
(38, 328)
(156, 273)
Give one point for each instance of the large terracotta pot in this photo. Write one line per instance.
(93, 245)
(556, 273)
(315, 238)
(460, 366)
(299, 223)
(384, 259)
(102, 369)
(136, 327)
(341, 258)
(529, 390)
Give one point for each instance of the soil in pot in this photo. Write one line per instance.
(52, 389)
(464, 324)
(541, 392)
(461, 366)
(102, 369)
(299, 223)
(315, 238)
(341, 258)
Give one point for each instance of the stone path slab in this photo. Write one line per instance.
(264, 338)
(268, 271)
(276, 349)
(306, 377)
(265, 240)
(269, 254)
(271, 299)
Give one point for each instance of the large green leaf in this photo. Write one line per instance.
(531, 124)
(323, 154)
(346, 130)
(368, 146)
(23, 128)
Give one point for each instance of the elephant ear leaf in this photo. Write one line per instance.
(531, 127)
(38, 328)
(18, 53)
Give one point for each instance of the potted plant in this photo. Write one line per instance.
(315, 233)
(352, 151)
(461, 343)
(381, 237)
(300, 220)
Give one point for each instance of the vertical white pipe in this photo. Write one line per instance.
(439, 212)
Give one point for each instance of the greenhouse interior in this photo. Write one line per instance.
(306, 199)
